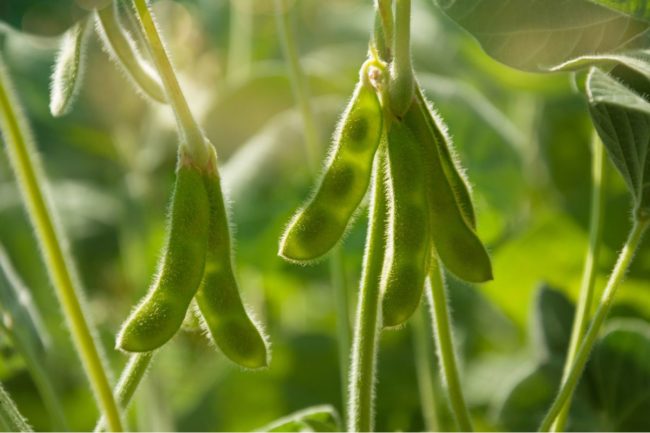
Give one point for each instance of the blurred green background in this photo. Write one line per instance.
(523, 138)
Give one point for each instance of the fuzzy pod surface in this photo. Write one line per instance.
(160, 314)
(68, 69)
(218, 299)
(317, 227)
(409, 227)
(455, 241)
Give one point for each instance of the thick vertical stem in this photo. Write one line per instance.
(32, 185)
(366, 328)
(585, 299)
(446, 352)
(191, 133)
(582, 356)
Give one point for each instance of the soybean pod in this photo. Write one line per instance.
(456, 243)
(317, 227)
(160, 314)
(218, 297)
(454, 175)
(68, 69)
(409, 228)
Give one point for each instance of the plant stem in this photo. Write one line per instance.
(125, 52)
(191, 133)
(366, 329)
(131, 376)
(10, 418)
(312, 146)
(240, 40)
(425, 368)
(401, 86)
(384, 28)
(25, 163)
(441, 324)
(618, 274)
(339, 282)
(298, 83)
(585, 300)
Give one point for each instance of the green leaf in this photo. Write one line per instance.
(313, 419)
(620, 370)
(622, 118)
(10, 418)
(635, 8)
(536, 35)
(637, 60)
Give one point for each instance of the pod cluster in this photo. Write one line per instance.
(196, 264)
(430, 213)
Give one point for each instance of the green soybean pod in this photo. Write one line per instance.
(160, 314)
(449, 164)
(122, 49)
(455, 241)
(409, 228)
(318, 226)
(68, 69)
(218, 298)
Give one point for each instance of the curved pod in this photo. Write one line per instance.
(218, 298)
(160, 314)
(409, 233)
(318, 226)
(455, 241)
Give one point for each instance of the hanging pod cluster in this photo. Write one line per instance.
(430, 213)
(197, 263)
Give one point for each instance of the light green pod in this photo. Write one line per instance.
(455, 241)
(160, 314)
(317, 227)
(68, 69)
(218, 298)
(457, 182)
(409, 233)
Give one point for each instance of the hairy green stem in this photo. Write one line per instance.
(191, 133)
(10, 418)
(131, 376)
(384, 28)
(585, 300)
(582, 356)
(25, 163)
(312, 145)
(425, 367)
(119, 44)
(367, 324)
(441, 324)
(402, 84)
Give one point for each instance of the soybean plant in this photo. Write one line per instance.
(420, 209)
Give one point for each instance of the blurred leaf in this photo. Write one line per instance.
(10, 418)
(314, 419)
(622, 118)
(620, 370)
(537, 35)
(635, 8)
(552, 320)
(20, 316)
